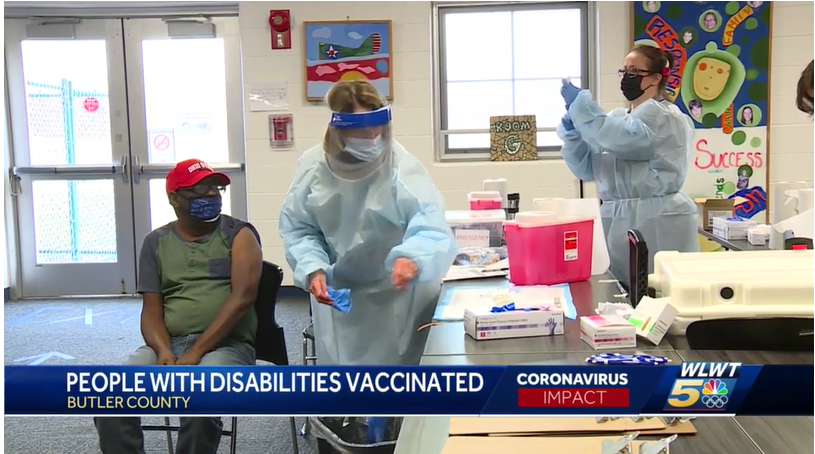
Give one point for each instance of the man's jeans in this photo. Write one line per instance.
(197, 435)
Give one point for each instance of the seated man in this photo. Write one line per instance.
(198, 277)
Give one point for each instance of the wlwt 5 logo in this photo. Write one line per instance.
(703, 387)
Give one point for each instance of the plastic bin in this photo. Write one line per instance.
(351, 435)
(547, 249)
(485, 200)
(491, 220)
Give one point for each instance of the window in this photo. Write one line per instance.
(506, 59)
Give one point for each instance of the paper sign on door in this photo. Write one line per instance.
(472, 238)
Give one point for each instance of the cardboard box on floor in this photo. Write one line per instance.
(684, 428)
(577, 445)
(551, 426)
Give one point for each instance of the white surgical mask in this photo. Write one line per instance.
(365, 150)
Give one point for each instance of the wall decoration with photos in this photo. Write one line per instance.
(721, 80)
(347, 50)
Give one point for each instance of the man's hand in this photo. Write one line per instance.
(404, 271)
(191, 358)
(319, 288)
(166, 358)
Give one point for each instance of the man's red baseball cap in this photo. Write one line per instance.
(187, 174)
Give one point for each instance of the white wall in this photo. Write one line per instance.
(791, 136)
(270, 172)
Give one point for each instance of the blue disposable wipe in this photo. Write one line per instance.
(341, 299)
(505, 308)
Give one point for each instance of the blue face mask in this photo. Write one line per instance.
(206, 209)
(365, 150)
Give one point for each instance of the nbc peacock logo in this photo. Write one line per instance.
(714, 394)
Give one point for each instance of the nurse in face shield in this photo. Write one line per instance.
(363, 214)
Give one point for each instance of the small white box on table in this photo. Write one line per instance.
(483, 324)
(607, 332)
(652, 318)
(759, 235)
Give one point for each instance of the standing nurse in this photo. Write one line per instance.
(363, 213)
(638, 158)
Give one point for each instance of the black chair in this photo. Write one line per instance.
(309, 358)
(270, 346)
(637, 285)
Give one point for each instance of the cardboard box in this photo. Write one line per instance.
(524, 445)
(482, 324)
(524, 426)
(710, 209)
(605, 332)
(732, 228)
(652, 318)
(498, 425)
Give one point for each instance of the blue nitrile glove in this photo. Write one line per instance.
(341, 299)
(569, 93)
(567, 122)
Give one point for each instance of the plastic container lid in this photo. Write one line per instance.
(536, 217)
(476, 216)
(485, 195)
(543, 218)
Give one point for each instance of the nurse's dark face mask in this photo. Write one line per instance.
(634, 82)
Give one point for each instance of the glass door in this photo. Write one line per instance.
(185, 100)
(67, 102)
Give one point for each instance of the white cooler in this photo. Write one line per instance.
(750, 284)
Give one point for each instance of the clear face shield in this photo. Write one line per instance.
(365, 136)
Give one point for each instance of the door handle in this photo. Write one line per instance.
(135, 169)
(13, 183)
(71, 170)
(123, 165)
(162, 169)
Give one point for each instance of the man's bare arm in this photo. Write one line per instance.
(153, 328)
(247, 265)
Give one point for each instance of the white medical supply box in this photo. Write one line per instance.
(758, 236)
(479, 228)
(604, 332)
(732, 228)
(483, 324)
(652, 318)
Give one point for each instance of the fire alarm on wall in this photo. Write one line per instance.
(281, 131)
(280, 23)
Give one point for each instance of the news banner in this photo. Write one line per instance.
(689, 389)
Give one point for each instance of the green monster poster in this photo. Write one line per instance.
(721, 80)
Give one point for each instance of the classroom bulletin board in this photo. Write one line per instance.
(721, 79)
